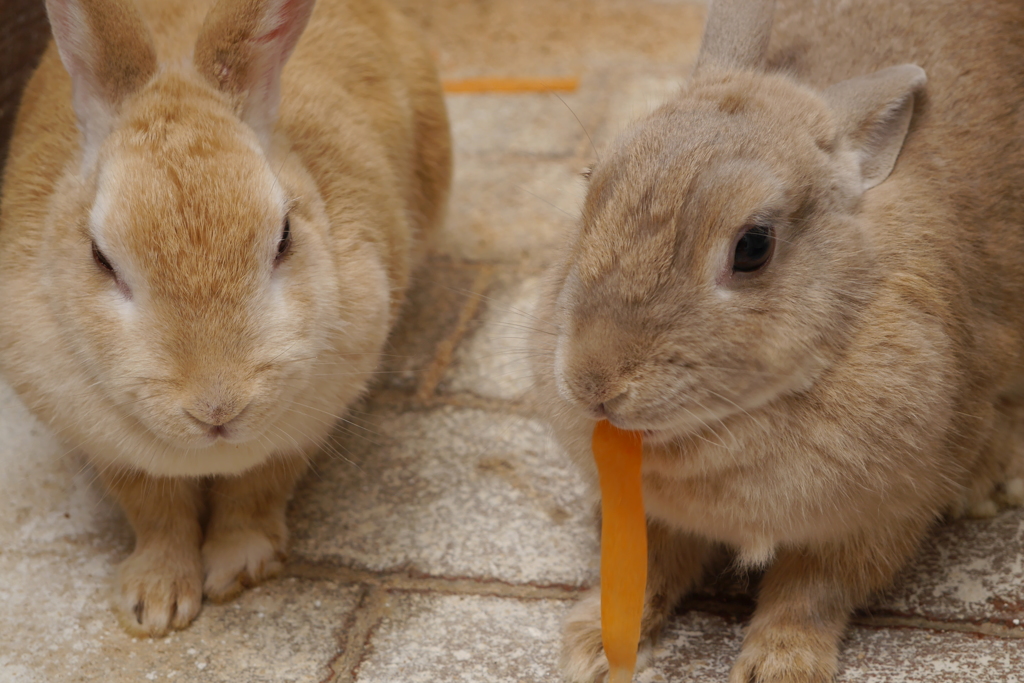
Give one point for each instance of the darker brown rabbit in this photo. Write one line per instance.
(801, 279)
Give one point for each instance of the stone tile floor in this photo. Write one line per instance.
(442, 536)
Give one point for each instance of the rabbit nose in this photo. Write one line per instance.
(606, 409)
(216, 414)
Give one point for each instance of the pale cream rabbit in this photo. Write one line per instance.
(202, 251)
(802, 280)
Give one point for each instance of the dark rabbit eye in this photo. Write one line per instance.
(284, 245)
(101, 260)
(754, 249)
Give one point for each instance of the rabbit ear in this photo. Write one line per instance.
(242, 49)
(736, 34)
(874, 114)
(107, 49)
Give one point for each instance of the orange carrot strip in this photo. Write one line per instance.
(618, 455)
(511, 85)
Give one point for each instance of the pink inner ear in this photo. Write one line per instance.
(260, 56)
(273, 35)
(278, 43)
(285, 21)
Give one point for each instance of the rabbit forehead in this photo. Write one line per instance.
(188, 210)
(667, 204)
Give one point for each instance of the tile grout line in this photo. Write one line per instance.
(433, 373)
(986, 628)
(482, 588)
(345, 666)
(343, 637)
(406, 583)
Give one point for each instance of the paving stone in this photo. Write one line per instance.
(465, 639)
(450, 492)
(922, 656)
(61, 629)
(513, 210)
(494, 361)
(700, 647)
(968, 570)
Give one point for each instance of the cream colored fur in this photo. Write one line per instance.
(818, 416)
(197, 376)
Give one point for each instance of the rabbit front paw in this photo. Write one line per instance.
(785, 654)
(583, 659)
(159, 588)
(238, 559)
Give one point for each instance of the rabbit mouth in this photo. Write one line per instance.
(231, 432)
(223, 432)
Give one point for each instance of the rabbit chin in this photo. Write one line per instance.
(219, 457)
(163, 459)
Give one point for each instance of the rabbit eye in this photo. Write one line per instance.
(284, 245)
(101, 260)
(754, 249)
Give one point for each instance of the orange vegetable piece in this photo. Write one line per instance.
(511, 85)
(618, 455)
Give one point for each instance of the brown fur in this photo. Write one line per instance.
(184, 176)
(818, 416)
